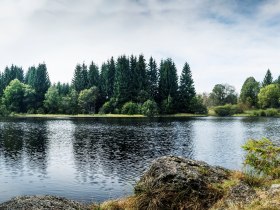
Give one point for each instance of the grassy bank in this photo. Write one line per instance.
(179, 115)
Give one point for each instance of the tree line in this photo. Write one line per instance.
(253, 94)
(127, 85)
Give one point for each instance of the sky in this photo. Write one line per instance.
(224, 41)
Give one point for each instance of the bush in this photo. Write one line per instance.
(228, 110)
(266, 113)
(263, 157)
(149, 108)
(3, 111)
(130, 108)
(108, 107)
(197, 106)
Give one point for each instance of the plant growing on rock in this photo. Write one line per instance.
(263, 157)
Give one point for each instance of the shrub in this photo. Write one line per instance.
(266, 113)
(263, 157)
(130, 108)
(3, 110)
(149, 108)
(223, 110)
(197, 106)
(228, 110)
(108, 107)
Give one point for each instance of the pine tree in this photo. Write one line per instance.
(267, 79)
(141, 73)
(186, 89)
(152, 79)
(122, 80)
(111, 77)
(79, 80)
(168, 83)
(133, 78)
(103, 84)
(30, 76)
(93, 75)
(41, 83)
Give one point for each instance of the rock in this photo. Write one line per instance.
(241, 193)
(41, 203)
(170, 178)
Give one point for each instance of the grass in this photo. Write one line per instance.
(100, 115)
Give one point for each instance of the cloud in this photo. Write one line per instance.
(224, 42)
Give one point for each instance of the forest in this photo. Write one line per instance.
(128, 85)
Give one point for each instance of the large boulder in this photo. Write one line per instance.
(178, 183)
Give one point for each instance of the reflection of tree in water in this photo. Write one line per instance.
(24, 143)
(11, 145)
(124, 149)
(36, 145)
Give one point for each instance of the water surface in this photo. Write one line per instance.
(98, 159)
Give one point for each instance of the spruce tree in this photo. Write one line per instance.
(41, 83)
(168, 85)
(111, 77)
(152, 79)
(133, 78)
(186, 89)
(79, 80)
(93, 75)
(122, 80)
(267, 79)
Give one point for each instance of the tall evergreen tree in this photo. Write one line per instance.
(141, 73)
(152, 79)
(30, 76)
(268, 79)
(1, 84)
(79, 80)
(122, 80)
(111, 77)
(41, 83)
(93, 75)
(186, 89)
(133, 78)
(103, 82)
(168, 80)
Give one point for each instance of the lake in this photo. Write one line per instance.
(98, 159)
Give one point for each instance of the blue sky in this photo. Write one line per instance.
(224, 41)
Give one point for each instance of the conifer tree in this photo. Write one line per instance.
(152, 79)
(111, 77)
(93, 75)
(186, 89)
(79, 80)
(168, 83)
(41, 83)
(267, 79)
(122, 80)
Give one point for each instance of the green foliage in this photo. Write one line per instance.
(93, 75)
(249, 92)
(17, 96)
(223, 94)
(168, 85)
(267, 79)
(130, 108)
(52, 100)
(80, 80)
(197, 106)
(266, 113)
(186, 90)
(269, 96)
(87, 100)
(228, 110)
(152, 79)
(263, 157)
(167, 106)
(149, 108)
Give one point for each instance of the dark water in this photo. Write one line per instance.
(97, 159)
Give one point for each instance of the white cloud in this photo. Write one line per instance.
(221, 43)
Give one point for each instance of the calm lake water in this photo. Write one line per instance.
(97, 159)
